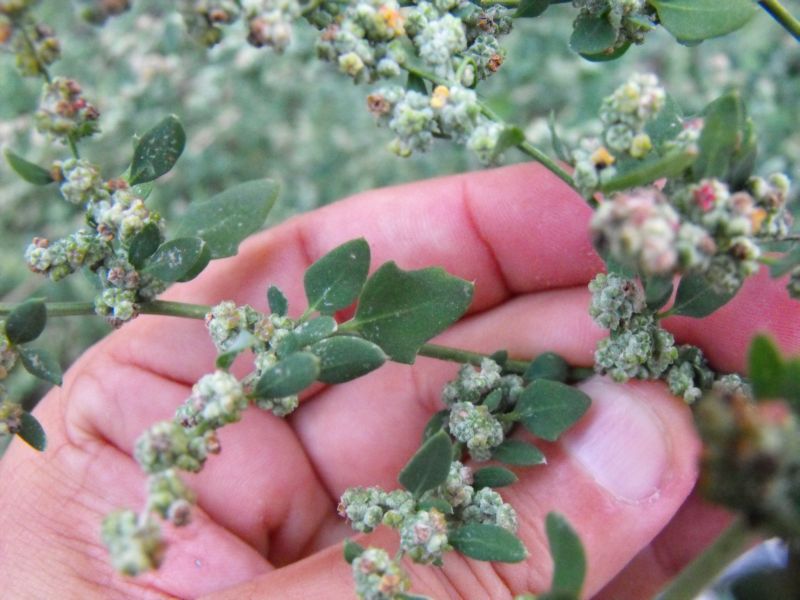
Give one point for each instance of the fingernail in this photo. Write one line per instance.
(623, 444)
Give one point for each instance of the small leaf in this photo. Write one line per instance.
(493, 477)
(528, 9)
(352, 550)
(243, 341)
(440, 504)
(508, 138)
(667, 124)
(224, 220)
(493, 400)
(289, 376)
(429, 467)
(721, 138)
(697, 20)
(765, 368)
(401, 310)
(559, 147)
(435, 424)
(592, 34)
(175, 259)
(28, 171)
(200, 264)
(608, 54)
(657, 291)
(697, 297)
(306, 334)
(335, 280)
(26, 322)
(500, 357)
(549, 408)
(568, 555)
(518, 453)
(278, 303)
(342, 358)
(157, 151)
(547, 365)
(488, 542)
(636, 173)
(32, 432)
(41, 364)
(415, 83)
(786, 263)
(404, 596)
(143, 245)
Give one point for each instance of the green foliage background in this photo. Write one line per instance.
(251, 113)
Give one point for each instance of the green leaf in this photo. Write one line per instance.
(667, 124)
(342, 358)
(26, 322)
(144, 244)
(765, 368)
(568, 555)
(657, 291)
(289, 376)
(549, 408)
(508, 138)
(493, 477)
(32, 432)
(244, 340)
(488, 542)
(224, 220)
(157, 151)
(335, 280)
(30, 172)
(791, 382)
(528, 9)
(697, 297)
(306, 334)
(743, 161)
(404, 596)
(722, 136)
(547, 365)
(635, 173)
(401, 310)
(787, 263)
(592, 34)
(607, 55)
(493, 400)
(352, 550)
(521, 454)
(435, 424)
(278, 303)
(440, 504)
(176, 259)
(559, 147)
(698, 20)
(429, 467)
(41, 364)
(200, 264)
(415, 83)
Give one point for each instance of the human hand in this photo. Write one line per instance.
(266, 524)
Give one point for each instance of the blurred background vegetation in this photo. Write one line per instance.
(251, 113)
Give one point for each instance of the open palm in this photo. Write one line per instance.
(266, 524)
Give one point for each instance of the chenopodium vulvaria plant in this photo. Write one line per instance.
(674, 197)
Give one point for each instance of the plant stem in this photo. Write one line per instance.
(782, 16)
(702, 571)
(525, 146)
(156, 307)
(466, 356)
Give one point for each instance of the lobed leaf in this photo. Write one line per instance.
(224, 220)
(401, 310)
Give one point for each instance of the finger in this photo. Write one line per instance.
(619, 478)
(695, 526)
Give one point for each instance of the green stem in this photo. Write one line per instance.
(156, 307)
(32, 47)
(525, 146)
(73, 147)
(704, 569)
(782, 16)
(466, 356)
